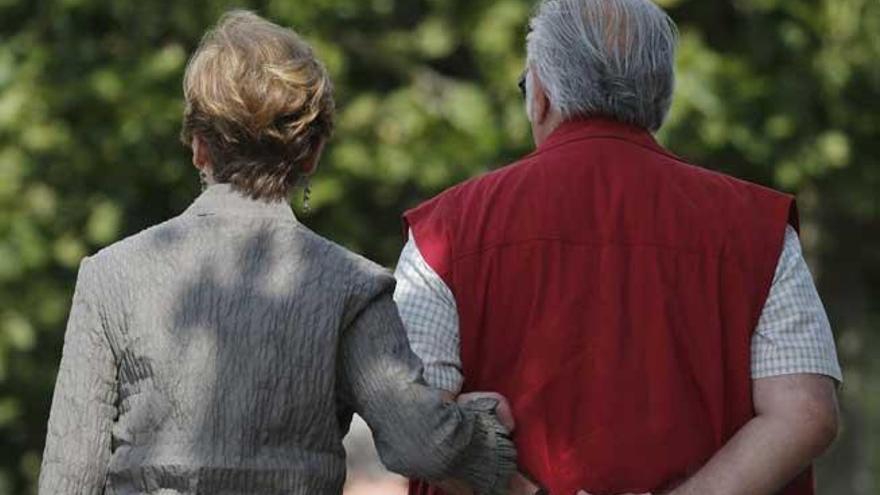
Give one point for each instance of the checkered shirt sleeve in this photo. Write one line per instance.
(793, 333)
(430, 316)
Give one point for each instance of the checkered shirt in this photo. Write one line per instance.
(793, 334)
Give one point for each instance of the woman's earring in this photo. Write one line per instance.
(203, 177)
(307, 195)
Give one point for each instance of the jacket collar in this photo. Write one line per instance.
(222, 199)
(592, 127)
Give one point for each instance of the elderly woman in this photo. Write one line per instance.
(225, 350)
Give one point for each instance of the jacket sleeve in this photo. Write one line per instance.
(77, 448)
(418, 433)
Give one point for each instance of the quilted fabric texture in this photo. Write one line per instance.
(225, 351)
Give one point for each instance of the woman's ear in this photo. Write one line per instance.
(201, 158)
(309, 167)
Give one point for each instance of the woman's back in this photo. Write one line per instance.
(225, 322)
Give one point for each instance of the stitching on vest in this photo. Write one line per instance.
(497, 245)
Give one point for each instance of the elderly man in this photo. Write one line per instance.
(653, 323)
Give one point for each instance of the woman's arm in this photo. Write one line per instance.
(418, 432)
(83, 408)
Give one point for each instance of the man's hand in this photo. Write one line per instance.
(455, 487)
(521, 485)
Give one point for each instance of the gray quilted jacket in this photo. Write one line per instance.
(224, 352)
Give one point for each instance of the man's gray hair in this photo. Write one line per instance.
(610, 58)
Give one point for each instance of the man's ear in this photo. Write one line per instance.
(540, 101)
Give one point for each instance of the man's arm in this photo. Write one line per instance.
(430, 316)
(796, 421)
(794, 377)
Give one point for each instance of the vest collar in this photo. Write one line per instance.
(580, 128)
(222, 199)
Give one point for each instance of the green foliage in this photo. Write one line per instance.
(784, 92)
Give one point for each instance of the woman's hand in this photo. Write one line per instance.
(502, 409)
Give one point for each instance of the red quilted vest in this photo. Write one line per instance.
(610, 291)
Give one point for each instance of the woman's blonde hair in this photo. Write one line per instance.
(261, 102)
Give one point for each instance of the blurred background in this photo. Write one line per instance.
(782, 92)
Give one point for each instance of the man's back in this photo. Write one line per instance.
(610, 292)
(640, 313)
